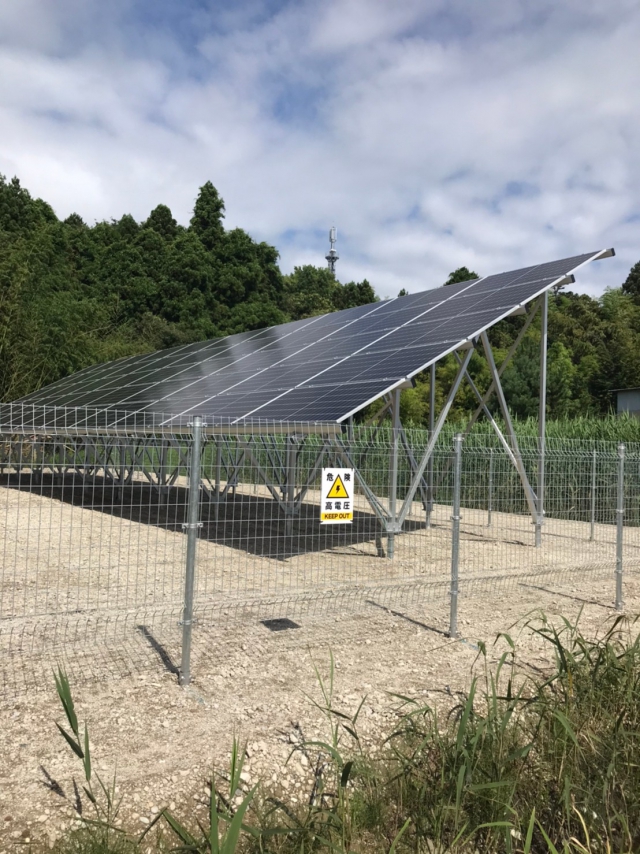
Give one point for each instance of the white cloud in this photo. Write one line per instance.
(433, 134)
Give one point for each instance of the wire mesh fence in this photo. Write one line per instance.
(99, 533)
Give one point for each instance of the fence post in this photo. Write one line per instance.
(290, 489)
(218, 475)
(432, 421)
(593, 495)
(455, 535)
(192, 524)
(490, 496)
(620, 526)
(393, 475)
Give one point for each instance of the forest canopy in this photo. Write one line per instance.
(73, 294)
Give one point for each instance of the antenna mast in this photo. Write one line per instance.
(333, 256)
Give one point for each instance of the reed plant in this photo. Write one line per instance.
(552, 760)
(525, 762)
(99, 831)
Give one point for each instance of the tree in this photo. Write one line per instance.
(162, 222)
(620, 353)
(208, 214)
(353, 294)
(521, 379)
(310, 290)
(561, 373)
(631, 284)
(18, 211)
(462, 274)
(75, 220)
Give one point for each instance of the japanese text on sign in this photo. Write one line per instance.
(337, 497)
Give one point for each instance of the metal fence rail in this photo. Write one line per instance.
(151, 532)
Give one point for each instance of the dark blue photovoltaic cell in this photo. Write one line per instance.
(318, 369)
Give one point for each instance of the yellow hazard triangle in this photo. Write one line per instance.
(338, 490)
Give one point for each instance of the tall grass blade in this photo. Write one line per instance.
(398, 836)
(232, 835)
(64, 692)
(180, 831)
(71, 742)
(552, 848)
(346, 773)
(529, 837)
(562, 718)
(214, 844)
(87, 755)
(466, 714)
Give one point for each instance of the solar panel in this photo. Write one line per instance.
(322, 368)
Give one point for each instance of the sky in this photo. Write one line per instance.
(433, 134)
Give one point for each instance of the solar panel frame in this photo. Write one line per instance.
(335, 358)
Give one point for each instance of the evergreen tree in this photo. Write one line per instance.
(631, 284)
(561, 373)
(462, 274)
(208, 214)
(162, 222)
(310, 290)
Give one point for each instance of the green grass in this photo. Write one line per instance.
(521, 764)
(525, 762)
(607, 428)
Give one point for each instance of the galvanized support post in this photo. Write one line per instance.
(393, 475)
(37, 464)
(593, 495)
(620, 526)
(290, 493)
(419, 472)
(490, 488)
(528, 491)
(88, 479)
(163, 488)
(234, 475)
(254, 472)
(455, 535)
(542, 417)
(119, 491)
(218, 474)
(432, 421)
(413, 465)
(57, 476)
(503, 366)
(192, 524)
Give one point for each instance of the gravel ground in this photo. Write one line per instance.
(162, 740)
(102, 593)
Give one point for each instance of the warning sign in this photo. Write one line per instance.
(337, 489)
(337, 497)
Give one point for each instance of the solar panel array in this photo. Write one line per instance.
(319, 369)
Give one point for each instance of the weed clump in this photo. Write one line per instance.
(526, 762)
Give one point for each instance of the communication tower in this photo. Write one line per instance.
(333, 256)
